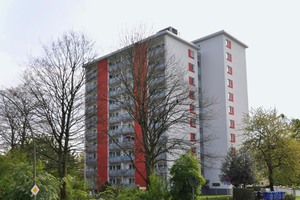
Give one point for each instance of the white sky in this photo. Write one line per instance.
(269, 27)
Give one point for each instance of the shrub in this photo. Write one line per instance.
(289, 197)
(243, 194)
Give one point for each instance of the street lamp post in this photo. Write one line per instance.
(193, 181)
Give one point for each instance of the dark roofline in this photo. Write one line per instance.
(220, 33)
(160, 33)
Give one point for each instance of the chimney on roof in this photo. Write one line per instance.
(170, 29)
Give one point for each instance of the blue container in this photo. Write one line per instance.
(268, 196)
(282, 195)
(275, 196)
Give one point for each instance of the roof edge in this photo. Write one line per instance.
(220, 33)
(160, 33)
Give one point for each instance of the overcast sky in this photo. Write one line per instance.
(269, 27)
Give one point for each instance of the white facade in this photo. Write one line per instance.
(223, 78)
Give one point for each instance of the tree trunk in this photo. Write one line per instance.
(62, 176)
(271, 180)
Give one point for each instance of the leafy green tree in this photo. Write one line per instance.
(238, 169)
(17, 178)
(182, 171)
(268, 135)
(157, 189)
(296, 128)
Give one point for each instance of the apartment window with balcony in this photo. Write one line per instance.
(191, 67)
(231, 124)
(229, 57)
(230, 83)
(228, 43)
(231, 110)
(191, 81)
(191, 53)
(192, 136)
(232, 137)
(192, 122)
(230, 96)
(229, 70)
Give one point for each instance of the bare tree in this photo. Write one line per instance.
(55, 79)
(16, 117)
(149, 86)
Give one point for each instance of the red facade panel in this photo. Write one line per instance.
(102, 128)
(140, 90)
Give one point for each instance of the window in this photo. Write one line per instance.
(228, 43)
(229, 70)
(232, 137)
(130, 166)
(193, 122)
(192, 108)
(233, 151)
(228, 57)
(191, 81)
(231, 110)
(131, 180)
(193, 136)
(191, 67)
(192, 95)
(230, 96)
(231, 124)
(230, 83)
(191, 53)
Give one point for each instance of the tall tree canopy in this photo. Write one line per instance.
(268, 135)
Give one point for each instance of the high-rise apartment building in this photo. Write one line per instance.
(215, 65)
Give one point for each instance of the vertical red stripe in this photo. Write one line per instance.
(140, 90)
(102, 122)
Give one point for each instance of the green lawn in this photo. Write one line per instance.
(213, 197)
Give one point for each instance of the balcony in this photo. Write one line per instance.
(90, 136)
(116, 92)
(91, 161)
(120, 159)
(124, 172)
(91, 149)
(91, 99)
(120, 131)
(123, 145)
(91, 173)
(114, 107)
(119, 118)
(91, 111)
(90, 122)
(90, 87)
(90, 76)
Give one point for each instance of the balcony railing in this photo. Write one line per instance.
(91, 161)
(124, 172)
(92, 148)
(122, 117)
(120, 159)
(122, 130)
(91, 173)
(90, 136)
(128, 144)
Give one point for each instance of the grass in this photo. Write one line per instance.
(213, 197)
